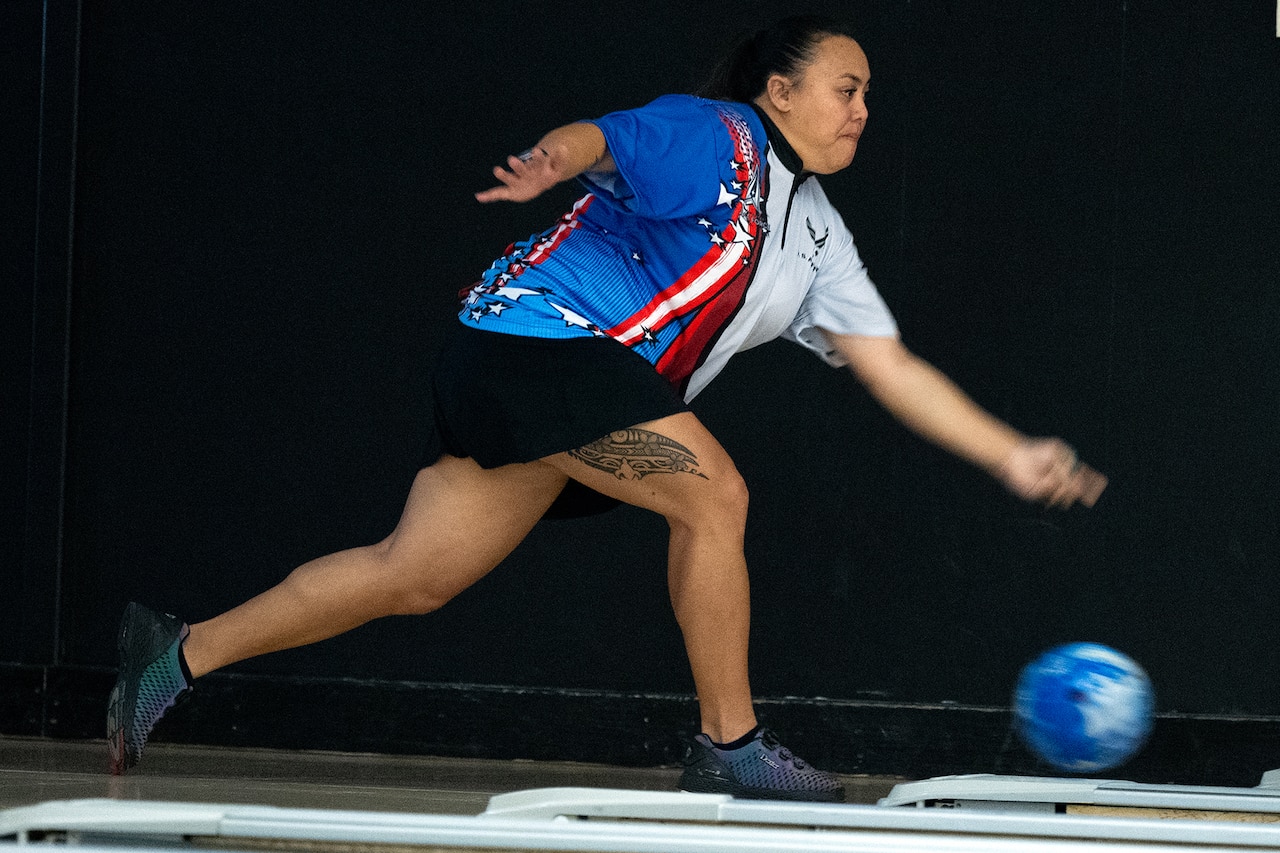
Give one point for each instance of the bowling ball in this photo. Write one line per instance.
(1083, 707)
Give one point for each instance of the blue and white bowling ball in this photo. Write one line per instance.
(1083, 707)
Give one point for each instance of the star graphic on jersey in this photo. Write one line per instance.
(514, 293)
(496, 308)
(649, 337)
(704, 222)
(476, 314)
(637, 257)
(717, 239)
(727, 196)
(573, 318)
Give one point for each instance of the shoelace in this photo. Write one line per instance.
(771, 743)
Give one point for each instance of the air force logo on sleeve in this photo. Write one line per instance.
(818, 243)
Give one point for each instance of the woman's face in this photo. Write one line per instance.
(823, 111)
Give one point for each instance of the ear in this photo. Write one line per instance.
(778, 90)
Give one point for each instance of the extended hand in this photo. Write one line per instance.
(1047, 471)
(525, 177)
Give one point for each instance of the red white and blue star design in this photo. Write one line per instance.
(658, 255)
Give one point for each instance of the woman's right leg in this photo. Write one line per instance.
(435, 552)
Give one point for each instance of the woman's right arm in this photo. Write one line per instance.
(561, 155)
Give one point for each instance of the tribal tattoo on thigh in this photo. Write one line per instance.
(631, 454)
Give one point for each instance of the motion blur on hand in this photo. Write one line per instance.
(1047, 471)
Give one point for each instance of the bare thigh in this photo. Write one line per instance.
(461, 520)
(672, 466)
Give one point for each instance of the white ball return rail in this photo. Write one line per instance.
(956, 814)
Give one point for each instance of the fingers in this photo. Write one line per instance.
(1047, 471)
(525, 176)
(506, 192)
(1093, 483)
(1077, 484)
(1063, 482)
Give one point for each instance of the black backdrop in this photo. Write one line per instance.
(1071, 208)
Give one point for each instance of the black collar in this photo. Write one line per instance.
(786, 153)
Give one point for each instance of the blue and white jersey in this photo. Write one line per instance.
(705, 242)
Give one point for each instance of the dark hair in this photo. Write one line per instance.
(784, 48)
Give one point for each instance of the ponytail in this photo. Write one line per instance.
(786, 48)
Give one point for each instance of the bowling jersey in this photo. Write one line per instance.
(707, 240)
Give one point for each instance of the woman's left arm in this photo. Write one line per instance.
(926, 401)
(560, 155)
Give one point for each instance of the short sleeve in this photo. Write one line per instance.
(668, 155)
(843, 300)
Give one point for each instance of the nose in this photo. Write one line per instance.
(860, 107)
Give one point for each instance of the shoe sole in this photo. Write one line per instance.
(135, 647)
(742, 792)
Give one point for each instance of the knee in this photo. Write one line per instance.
(722, 508)
(734, 498)
(417, 600)
(408, 587)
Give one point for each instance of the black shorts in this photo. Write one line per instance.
(501, 399)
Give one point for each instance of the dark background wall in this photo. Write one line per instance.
(1071, 208)
(19, 100)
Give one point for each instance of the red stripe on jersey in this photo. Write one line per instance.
(692, 290)
(542, 247)
(690, 348)
(558, 235)
(687, 351)
(720, 266)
